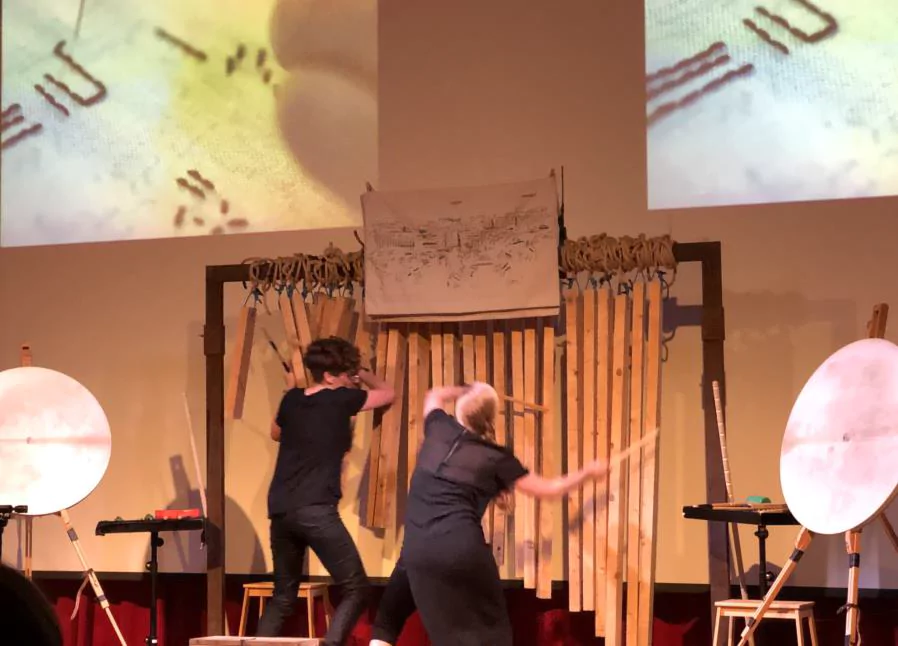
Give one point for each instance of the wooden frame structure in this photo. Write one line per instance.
(708, 254)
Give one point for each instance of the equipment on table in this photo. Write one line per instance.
(153, 526)
(761, 516)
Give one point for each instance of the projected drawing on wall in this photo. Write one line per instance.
(171, 118)
(756, 101)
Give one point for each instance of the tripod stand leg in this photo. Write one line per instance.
(91, 575)
(853, 546)
(890, 531)
(801, 544)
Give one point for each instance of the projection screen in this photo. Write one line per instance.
(135, 120)
(753, 102)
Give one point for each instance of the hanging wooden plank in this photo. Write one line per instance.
(363, 335)
(499, 372)
(517, 439)
(547, 508)
(531, 522)
(240, 359)
(419, 381)
(436, 354)
(451, 368)
(303, 327)
(649, 524)
(371, 518)
(340, 317)
(314, 309)
(634, 495)
(573, 304)
(391, 429)
(617, 477)
(604, 353)
(481, 373)
(588, 510)
(286, 308)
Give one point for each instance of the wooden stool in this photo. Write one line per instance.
(745, 608)
(308, 591)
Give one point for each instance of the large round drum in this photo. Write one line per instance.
(839, 457)
(54, 440)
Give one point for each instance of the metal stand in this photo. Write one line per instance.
(153, 566)
(764, 575)
(6, 512)
(853, 547)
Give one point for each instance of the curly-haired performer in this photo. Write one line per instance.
(314, 428)
(446, 569)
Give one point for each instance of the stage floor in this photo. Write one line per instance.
(254, 641)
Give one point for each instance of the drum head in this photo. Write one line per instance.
(55, 442)
(839, 457)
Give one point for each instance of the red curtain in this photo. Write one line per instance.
(681, 618)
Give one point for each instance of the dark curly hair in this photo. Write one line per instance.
(331, 355)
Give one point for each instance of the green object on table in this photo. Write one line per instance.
(758, 499)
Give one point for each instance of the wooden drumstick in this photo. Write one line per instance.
(525, 404)
(623, 456)
(196, 458)
(737, 546)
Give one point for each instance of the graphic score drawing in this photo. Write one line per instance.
(441, 254)
(753, 102)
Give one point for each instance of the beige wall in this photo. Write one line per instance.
(471, 92)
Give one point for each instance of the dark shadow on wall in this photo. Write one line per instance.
(183, 551)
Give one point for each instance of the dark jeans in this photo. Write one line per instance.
(321, 529)
(396, 605)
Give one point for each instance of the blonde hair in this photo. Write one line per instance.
(477, 408)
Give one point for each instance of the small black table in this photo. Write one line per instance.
(760, 516)
(152, 526)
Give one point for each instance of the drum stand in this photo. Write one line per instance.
(853, 547)
(90, 574)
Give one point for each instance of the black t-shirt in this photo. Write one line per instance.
(316, 432)
(456, 476)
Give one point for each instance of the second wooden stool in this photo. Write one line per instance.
(796, 611)
(265, 590)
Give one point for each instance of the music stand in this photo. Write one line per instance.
(55, 446)
(152, 526)
(837, 465)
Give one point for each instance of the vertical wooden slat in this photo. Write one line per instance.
(517, 386)
(363, 334)
(634, 497)
(315, 312)
(342, 317)
(604, 353)
(649, 511)
(390, 435)
(377, 426)
(481, 373)
(531, 522)
(617, 479)
(573, 328)
(243, 347)
(500, 366)
(436, 354)
(547, 508)
(303, 327)
(588, 378)
(450, 361)
(286, 307)
(419, 380)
